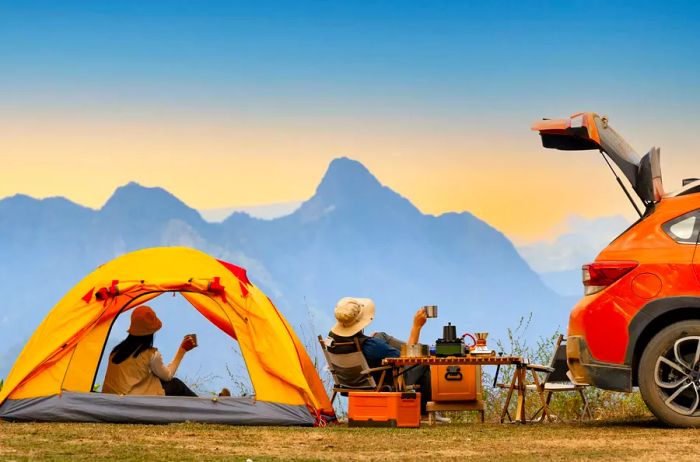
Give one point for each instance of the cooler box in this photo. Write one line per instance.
(385, 409)
(455, 383)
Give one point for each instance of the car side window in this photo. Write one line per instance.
(684, 229)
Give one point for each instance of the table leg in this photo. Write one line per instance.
(520, 409)
(513, 382)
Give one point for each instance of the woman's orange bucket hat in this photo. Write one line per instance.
(144, 321)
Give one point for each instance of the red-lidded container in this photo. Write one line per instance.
(384, 409)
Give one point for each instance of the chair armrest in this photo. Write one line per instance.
(540, 368)
(375, 369)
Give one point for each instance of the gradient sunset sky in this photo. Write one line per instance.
(232, 103)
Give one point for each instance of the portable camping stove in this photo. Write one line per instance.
(450, 344)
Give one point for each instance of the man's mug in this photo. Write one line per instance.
(431, 311)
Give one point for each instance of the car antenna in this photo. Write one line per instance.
(622, 185)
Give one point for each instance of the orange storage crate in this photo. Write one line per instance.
(455, 383)
(385, 409)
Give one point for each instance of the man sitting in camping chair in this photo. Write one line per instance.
(352, 316)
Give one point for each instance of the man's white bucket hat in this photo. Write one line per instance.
(353, 315)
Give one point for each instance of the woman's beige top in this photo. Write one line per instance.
(140, 375)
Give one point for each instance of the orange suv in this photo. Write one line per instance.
(638, 323)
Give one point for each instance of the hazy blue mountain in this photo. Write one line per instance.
(559, 261)
(354, 236)
(566, 282)
(265, 211)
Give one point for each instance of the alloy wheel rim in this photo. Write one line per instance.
(677, 374)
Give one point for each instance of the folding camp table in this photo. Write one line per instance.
(402, 364)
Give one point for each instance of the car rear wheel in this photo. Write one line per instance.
(669, 374)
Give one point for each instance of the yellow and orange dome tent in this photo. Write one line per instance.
(54, 374)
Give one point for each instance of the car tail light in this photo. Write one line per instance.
(599, 275)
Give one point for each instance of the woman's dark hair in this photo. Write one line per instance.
(133, 346)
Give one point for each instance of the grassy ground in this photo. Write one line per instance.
(608, 440)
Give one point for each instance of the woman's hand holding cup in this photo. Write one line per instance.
(189, 342)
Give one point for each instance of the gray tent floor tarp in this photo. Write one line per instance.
(98, 407)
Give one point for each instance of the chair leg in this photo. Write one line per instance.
(333, 396)
(586, 411)
(540, 391)
(505, 412)
(398, 381)
(482, 415)
(381, 381)
(538, 415)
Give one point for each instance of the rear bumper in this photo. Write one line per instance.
(586, 369)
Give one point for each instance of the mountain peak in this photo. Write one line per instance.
(347, 164)
(135, 191)
(345, 176)
(137, 201)
(348, 188)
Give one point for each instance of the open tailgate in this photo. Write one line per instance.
(587, 130)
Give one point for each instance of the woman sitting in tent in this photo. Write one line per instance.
(136, 368)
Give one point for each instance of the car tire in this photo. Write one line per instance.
(669, 374)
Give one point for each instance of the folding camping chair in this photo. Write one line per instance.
(349, 369)
(555, 379)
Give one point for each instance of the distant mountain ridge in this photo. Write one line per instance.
(559, 261)
(265, 211)
(354, 236)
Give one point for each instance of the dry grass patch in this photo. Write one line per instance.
(610, 440)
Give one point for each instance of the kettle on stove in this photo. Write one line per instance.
(450, 344)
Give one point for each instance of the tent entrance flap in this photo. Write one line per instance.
(85, 355)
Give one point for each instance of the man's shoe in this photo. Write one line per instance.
(439, 418)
